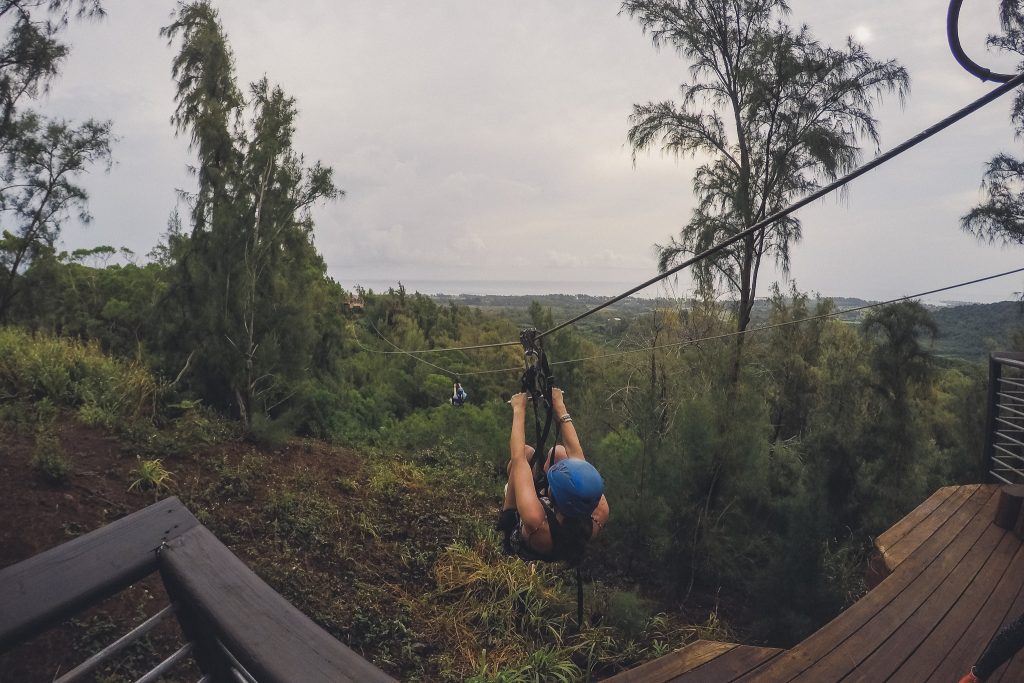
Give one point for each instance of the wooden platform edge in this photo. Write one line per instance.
(45, 589)
(268, 635)
(675, 663)
(894, 545)
(897, 531)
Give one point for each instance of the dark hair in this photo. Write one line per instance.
(569, 539)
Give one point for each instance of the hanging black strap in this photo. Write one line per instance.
(538, 381)
(579, 600)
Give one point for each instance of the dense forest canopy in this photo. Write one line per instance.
(746, 485)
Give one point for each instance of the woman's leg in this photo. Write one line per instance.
(510, 494)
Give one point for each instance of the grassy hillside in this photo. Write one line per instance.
(390, 550)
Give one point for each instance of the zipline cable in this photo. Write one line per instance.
(962, 113)
(773, 326)
(455, 348)
(400, 350)
(953, 35)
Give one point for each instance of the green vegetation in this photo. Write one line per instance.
(151, 475)
(48, 459)
(76, 375)
(744, 488)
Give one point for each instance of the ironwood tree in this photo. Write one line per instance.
(1000, 215)
(903, 371)
(248, 266)
(770, 110)
(40, 159)
(40, 191)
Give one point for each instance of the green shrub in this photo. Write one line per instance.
(394, 478)
(628, 612)
(151, 475)
(238, 481)
(48, 459)
(303, 516)
(543, 664)
(195, 424)
(339, 414)
(93, 415)
(72, 374)
(267, 433)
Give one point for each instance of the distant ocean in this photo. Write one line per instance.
(540, 287)
(507, 287)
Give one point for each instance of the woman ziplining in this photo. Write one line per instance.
(554, 523)
(554, 499)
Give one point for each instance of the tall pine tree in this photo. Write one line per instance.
(247, 267)
(774, 111)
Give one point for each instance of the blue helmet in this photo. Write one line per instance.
(575, 487)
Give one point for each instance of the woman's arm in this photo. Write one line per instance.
(569, 437)
(520, 475)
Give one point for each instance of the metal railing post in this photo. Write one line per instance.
(994, 373)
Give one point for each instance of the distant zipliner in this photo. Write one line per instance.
(459, 395)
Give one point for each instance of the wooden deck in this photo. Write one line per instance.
(953, 579)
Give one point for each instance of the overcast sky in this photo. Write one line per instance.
(485, 142)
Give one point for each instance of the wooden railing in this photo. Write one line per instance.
(1004, 432)
(237, 628)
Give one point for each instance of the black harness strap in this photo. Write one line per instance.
(538, 381)
(579, 600)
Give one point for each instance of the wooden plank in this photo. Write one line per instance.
(901, 550)
(730, 665)
(887, 539)
(43, 590)
(791, 663)
(666, 668)
(915, 629)
(841, 660)
(271, 638)
(881, 563)
(992, 579)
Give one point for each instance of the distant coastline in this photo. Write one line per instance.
(505, 287)
(456, 288)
